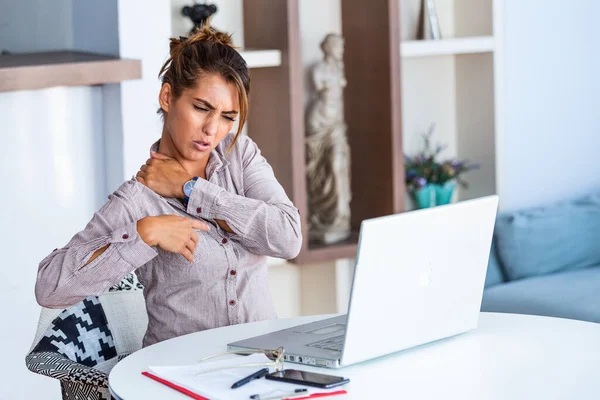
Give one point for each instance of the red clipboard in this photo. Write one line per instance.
(198, 397)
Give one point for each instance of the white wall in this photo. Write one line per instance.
(95, 26)
(35, 25)
(52, 182)
(144, 32)
(550, 141)
(53, 178)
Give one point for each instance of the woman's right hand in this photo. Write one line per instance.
(172, 233)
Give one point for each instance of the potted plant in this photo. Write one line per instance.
(430, 181)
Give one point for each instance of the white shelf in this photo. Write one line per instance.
(466, 45)
(261, 58)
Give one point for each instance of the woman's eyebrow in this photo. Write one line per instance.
(210, 106)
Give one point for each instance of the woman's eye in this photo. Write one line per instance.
(200, 108)
(229, 118)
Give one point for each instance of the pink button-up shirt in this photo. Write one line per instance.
(228, 281)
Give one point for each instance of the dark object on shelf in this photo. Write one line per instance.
(199, 14)
(429, 26)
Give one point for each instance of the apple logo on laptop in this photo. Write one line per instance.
(425, 277)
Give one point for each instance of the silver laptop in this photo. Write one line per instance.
(419, 277)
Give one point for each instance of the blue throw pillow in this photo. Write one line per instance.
(549, 239)
(494, 274)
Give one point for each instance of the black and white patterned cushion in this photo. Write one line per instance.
(81, 334)
(78, 347)
(130, 282)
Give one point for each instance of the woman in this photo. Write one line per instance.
(202, 214)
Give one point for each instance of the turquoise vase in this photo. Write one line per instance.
(443, 193)
(424, 196)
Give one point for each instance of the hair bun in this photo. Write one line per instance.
(175, 45)
(210, 35)
(203, 34)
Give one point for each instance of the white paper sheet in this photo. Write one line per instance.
(216, 385)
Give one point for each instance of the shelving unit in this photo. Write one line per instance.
(454, 46)
(276, 119)
(395, 91)
(64, 68)
(452, 83)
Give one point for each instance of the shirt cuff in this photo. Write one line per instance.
(203, 199)
(131, 247)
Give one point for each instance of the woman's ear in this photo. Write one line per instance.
(164, 97)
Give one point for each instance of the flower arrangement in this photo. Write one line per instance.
(425, 169)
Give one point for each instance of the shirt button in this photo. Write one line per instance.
(199, 210)
(232, 302)
(125, 236)
(232, 272)
(224, 241)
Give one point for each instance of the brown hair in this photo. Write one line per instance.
(207, 52)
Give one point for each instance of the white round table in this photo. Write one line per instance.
(508, 357)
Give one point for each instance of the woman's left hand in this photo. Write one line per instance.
(163, 175)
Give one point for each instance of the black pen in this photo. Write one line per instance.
(256, 375)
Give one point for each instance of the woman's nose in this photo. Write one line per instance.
(211, 125)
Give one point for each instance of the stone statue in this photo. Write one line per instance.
(327, 150)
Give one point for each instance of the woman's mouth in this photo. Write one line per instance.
(201, 145)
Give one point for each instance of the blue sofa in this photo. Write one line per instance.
(546, 261)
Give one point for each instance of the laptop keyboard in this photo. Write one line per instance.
(335, 343)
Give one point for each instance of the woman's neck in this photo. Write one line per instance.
(195, 168)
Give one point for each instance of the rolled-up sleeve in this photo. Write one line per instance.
(263, 218)
(63, 278)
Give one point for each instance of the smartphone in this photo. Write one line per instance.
(307, 378)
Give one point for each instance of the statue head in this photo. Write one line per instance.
(333, 46)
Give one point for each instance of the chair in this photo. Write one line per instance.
(81, 344)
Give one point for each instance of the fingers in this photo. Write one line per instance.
(141, 177)
(194, 237)
(191, 246)
(203, 226)
(187, 254)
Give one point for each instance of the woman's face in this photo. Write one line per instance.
(201, 117)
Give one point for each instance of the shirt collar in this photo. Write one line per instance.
(216, 161)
